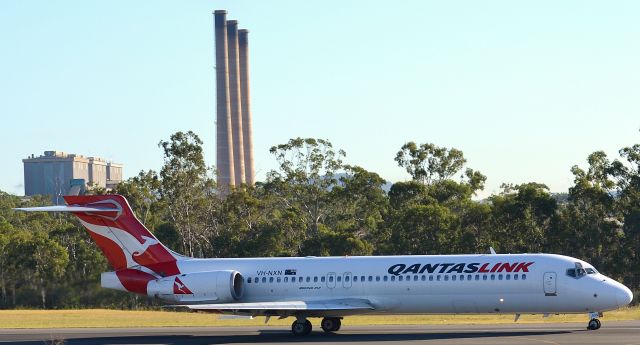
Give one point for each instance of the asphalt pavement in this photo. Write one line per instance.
(611, 333)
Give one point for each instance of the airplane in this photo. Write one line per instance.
(332, 288)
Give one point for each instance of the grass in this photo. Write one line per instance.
(118, 318)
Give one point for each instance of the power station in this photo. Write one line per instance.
(234, 133)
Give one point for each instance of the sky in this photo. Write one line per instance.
(525, 89)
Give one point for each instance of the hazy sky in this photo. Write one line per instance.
(525, 90)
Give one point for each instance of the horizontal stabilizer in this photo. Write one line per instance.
(65, 208)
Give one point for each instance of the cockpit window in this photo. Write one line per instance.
(579, 271)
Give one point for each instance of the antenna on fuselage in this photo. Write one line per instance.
(492, 251)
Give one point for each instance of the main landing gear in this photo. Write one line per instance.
(302, 326)
(331, 324)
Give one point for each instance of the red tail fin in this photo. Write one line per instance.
(120, 235)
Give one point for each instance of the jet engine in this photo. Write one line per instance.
(212, 286)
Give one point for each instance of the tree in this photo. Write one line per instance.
(46, 262)
(359, 205)
(143, 192)
(589, 224)
(188, 191)
(428, 162)
(523, 216)
(420, 229)
(307, 173)
(627, 176)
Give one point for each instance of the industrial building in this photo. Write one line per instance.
(234, 133)
(57, 173)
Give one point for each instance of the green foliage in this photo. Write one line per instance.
(187, 191)
(306, 175)
(428, 162)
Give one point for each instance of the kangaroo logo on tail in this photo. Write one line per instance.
(148, 242)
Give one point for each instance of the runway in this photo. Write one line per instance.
(624, 333)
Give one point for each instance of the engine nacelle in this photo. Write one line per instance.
(213, 286)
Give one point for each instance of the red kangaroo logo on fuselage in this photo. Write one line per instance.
(179, 288)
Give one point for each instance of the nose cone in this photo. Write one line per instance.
(623, 296)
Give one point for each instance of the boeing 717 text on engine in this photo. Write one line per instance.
(334, 287)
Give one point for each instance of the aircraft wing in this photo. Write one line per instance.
(321, 307)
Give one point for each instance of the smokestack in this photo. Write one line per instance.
(224, 138)
(234, 97)
(247, 126)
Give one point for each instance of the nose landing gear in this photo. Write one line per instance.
(594, 324)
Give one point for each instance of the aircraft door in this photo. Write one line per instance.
(346, 280)
(549, 284)
(331, 280)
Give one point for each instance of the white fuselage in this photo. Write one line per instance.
(429, 283)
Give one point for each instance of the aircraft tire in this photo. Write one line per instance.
(593, 324)
(330, 324)
(301, 328)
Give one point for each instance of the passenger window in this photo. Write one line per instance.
(477, 277)
(438, 278)
(249, 280)
(286, 279)
(362, 278)
(446, 278)
(461, 277)
(524, 277)
(377, 278)
(469, 277)
(315, 279)
(453, 277)
(370, 278)
(278, 279)
(339, 278)
(393, 278)
(484, 277)
(415, 278)
(264, 279)
(493, 277)
(430, 278)
(499, 276)
(322, 279)
(399, 278)
(515, 277)
(508, 276)
(423, 278)
(270, 279)
(330, 279)
(385, 278)
(300, 279)
(346, 278)
(355, 279)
